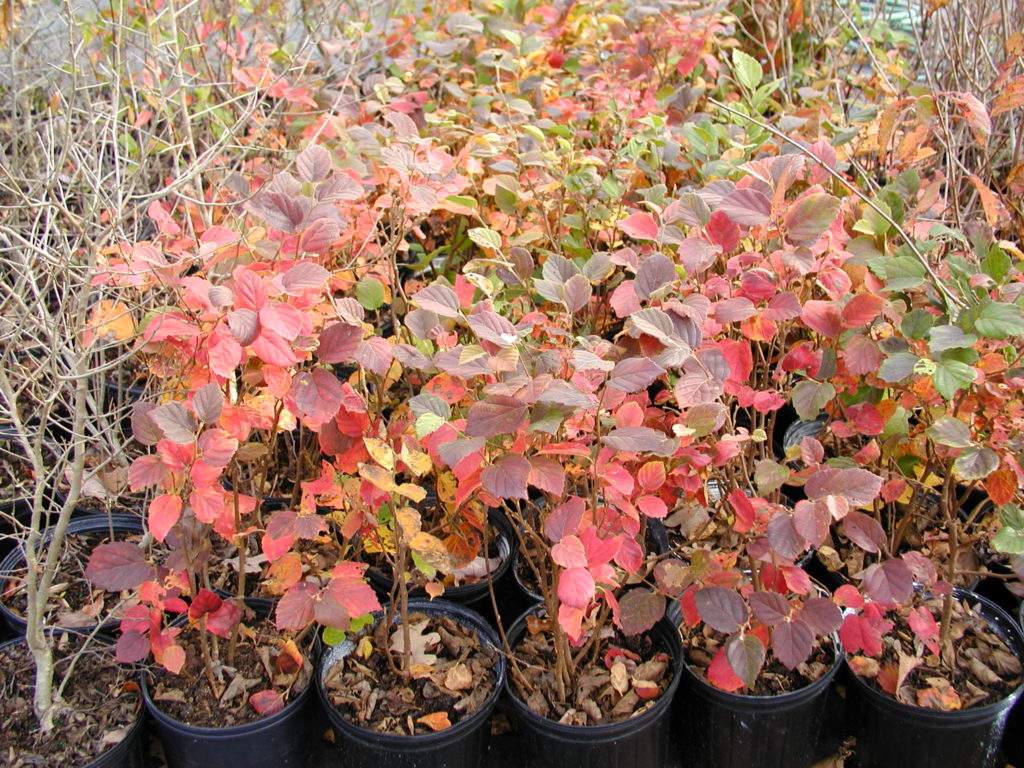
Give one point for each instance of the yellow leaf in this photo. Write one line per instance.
(412, 492)
(408, 521)
(446, 488)
(419, 462)
(112, 320)
(432, 550)
(379, 476)
(380, 452)
(365, 647)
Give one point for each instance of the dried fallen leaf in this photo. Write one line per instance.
(620, 678)
(939, 695)
(419, 643)
(459, 678)
(436, 721)
(646, 689)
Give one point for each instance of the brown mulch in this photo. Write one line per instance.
(451, 677)
(101, 702)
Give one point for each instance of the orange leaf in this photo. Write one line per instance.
(940, 696)
(1001, 486)
(436, 721)
(1011, 97)
(989, 201)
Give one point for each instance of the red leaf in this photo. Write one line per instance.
(862, 309)
(629, 556)
(164, 512)
(507, 477)
(203, 603)
(812, 522)
(858, 486)
(547, 474)
(348, 586)
(267, 702)
(146, 471)
(217, 447)
(624, 299)
(652, 506)
(744, 509)
(721, 609)
(223, 621)
(295, 608)
(796, 578)
(823, 317)
(848, 596)
(923, 624)
(640, 226)
(317, 394)
(132, 646)
(565, 519)
(274, 349)
(118, 565)
(723, 231)
(207, 504)
(338, 343)
(862, 356)
(857, 633)
(720, 673)
(576, 587)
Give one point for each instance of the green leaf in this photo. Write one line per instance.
(976, 463)
(996, 264)
(333, 636)
(916, 323)
(485, 238)
(898, 367)
(1012, 515)
(427, 423)
(999, 321)
(370, 293)
(951, 432)
(1009, 540)
(951, 376)
(945, 337)
(809, 397)
(872, 222)
(748, 71)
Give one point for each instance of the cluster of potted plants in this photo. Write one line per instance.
(605, 395)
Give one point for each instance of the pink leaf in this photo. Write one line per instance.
(272, 348)
(565, 519)
(494, 416)
(217, 447)
(864, 531)
(889, 582)
(317, 394)
(823, 317)
(374, 354)
(295, 608)
(244, 325)
(640, 226)
(440, 299)
(307, 274)
(634, 373)
(146, 471)
(655, 272)
(747, 207)
(338, 343)
(547, 474)
(313, 163)
(721, 609)
(576, 587)
(821, 615)
(640, 440)
(208, 402)
(164, 512)
(569, 553)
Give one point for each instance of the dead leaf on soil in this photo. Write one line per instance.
(436, 721)
(459, 678)
(419, 643)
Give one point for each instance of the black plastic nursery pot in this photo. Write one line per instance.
(15, 560)
(461, 746)
(131, 752)
(285, 739)
(891, 734)
(735, 730)
(641, 741)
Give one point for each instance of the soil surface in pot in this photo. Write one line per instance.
(101, 698)
(265, 672)
(452, 677)
(774, 679)
(979, 669)
(621, 678)
(73, 601)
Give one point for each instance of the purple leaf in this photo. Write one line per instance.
(577, 293)
(747, 207)
(317, 394)
(734, 310)
(177, 424)
(770, 608)
(453, 452)
(118, 565)
(495, 416)
(244, 325)
(640, 440)
(792, 642)
(656, 271)
(864, 531)
(304, 275)
(208, 402)
(492, 327)
(313, 163)
(639, 610)
(889, 582)
(654, 322)
(634, 373)
(340, 187)
(439, 299)
(821, 615)
(144, 429)
(721, 609)
(565, 393)
(375, 355)
(783, 536)
(858, 486)
(507, 477)
(812, 522)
